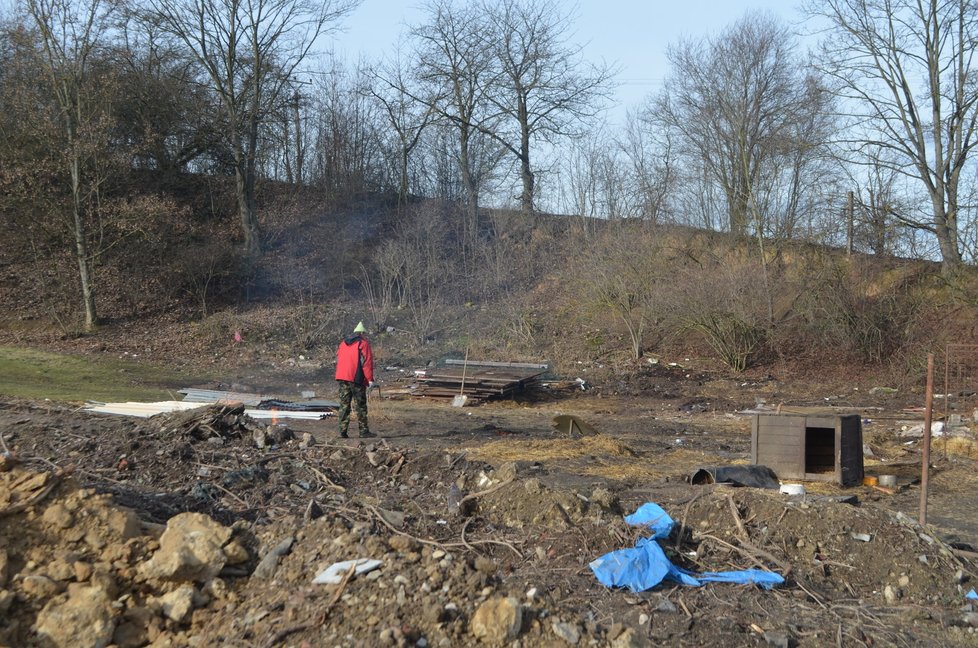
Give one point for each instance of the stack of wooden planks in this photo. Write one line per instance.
(478, 380)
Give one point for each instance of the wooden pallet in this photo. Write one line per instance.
(479, 382)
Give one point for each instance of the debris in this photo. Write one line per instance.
(572, 425)
(862, 537)
(645, 566)
(887, 481)
(753, 475)
(333, 575)
(972, 595)
(478, 380)
(792, 489)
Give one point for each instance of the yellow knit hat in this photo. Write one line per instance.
(360, 328)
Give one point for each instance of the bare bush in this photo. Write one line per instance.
(626, 268)
(722, 299)
(868, 311)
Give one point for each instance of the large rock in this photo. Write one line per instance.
(84, 620)
(191, 549)
(176, 605)
(497, 621)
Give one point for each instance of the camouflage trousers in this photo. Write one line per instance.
(352, 393)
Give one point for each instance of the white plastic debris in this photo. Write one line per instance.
(793, 489)
(333, 574)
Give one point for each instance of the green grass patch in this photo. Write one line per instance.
(28, 373)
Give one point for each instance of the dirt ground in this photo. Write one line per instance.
(485, 520)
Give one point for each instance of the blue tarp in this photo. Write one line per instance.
(645, 566)
(973, 595)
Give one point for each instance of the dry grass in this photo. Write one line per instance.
(516, 450)
(961, 446)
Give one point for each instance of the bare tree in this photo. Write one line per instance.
(407, 117)
(70, 34)
(541, 86)
(736, 102)
(249, 50)
(454, 70)
(903, 69)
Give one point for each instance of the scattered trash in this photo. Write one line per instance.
(973, 595)
(645, 566)
(333, 575)
(870, 480)
(882, 390)
(753, 475)
(792, 489)
(862, 537)
(917, 431)
(887, 481)
(572, 425)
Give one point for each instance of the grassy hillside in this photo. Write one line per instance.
(584, 294)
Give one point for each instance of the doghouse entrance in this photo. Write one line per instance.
(819, 450)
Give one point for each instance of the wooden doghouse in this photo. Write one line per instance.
(820, 447)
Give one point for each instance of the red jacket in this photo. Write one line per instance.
(353, 353)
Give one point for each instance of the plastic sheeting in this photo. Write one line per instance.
(646, 565)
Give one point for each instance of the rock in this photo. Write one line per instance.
(58, 516)
(60, 570)
(37, 586)
(506, 472)
(497, 620)
(533, 486)
(123, 523)
(643, 619)
(176, 605)
(236, 553)
(83, 570)
(4, 567)
(971, 619)
(959, 576)
(777, 639)
(665, 605)
(84, 620)
(402, 544)
(891, 594)
(373, 458)
(191, 549)
(133, 630)
(606, 500)
(396, 519)
(569, 632)
(259, 437)
(6, 600)
(308, 440)
(903, 581)
(629, 638)
(266, 568)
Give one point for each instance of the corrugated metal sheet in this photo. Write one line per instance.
(146, 410)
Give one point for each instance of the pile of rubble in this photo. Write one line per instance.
(205, 538)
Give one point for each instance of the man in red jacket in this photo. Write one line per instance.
(354, 375)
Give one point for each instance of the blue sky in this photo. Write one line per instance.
(632, 33)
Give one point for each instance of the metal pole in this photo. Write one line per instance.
(925, 454)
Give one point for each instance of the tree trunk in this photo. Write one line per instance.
(526, 174)
(471, 191)
(244, 174)
(81, 248)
